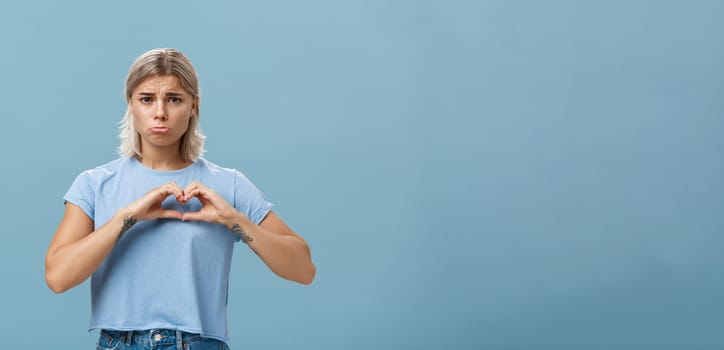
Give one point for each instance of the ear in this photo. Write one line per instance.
(195, 106)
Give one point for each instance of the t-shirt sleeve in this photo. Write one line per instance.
(81, 194)
(249, 200)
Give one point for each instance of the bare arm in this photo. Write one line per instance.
(281, 249)
(77, 251)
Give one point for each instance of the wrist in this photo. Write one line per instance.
(243, 235)
(127, 220)
(233, 218)
(239, 224)
(125, 213)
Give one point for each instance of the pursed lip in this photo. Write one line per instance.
(159, 129)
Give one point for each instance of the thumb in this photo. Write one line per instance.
(171, 214)
(191, 216)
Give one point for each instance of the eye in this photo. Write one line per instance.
(174, 99)
(145, 99)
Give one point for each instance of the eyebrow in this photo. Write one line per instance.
(170, 93)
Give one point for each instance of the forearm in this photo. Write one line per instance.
(71, 264)
(287, 256)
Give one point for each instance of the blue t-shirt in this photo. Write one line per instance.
(164, 273)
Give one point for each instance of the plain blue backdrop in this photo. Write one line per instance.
(468, 174)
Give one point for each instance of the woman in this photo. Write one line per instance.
(155, 228)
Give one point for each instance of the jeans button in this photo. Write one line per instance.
(156, 337)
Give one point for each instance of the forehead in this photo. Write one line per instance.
(160, 84)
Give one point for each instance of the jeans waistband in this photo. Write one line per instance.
(151, 337)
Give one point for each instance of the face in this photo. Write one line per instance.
(161, 110)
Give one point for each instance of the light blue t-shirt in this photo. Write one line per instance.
(164, 273)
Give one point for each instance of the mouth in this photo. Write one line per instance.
(159, 129)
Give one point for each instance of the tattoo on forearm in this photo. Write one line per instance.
(127, 224)
(244, 236)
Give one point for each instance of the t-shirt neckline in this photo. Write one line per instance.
(144, 168)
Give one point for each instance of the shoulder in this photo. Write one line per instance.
(216, 169)
(103, 171)
(89, 182)
(219, 172)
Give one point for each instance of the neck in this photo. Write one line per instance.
(162, 159)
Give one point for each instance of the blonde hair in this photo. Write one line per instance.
(158, 62)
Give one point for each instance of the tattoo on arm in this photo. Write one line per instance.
(244, 236)
(127, 224)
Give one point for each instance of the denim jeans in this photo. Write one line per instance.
(156, 339)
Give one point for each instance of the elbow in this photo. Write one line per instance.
(55, 283)
(310, 271)
(308, 276)
(52, 277)
(304, 276)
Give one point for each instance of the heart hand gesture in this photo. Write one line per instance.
(214, 208)
(149, 206)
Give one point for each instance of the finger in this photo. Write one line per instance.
(176, 188)
(175, 185)
(196, 190)
(192, 188)
(206, 196)
(198, 194)
(171, 214)
(193, 216)
(152, 198)
(191, 192)
(173, 189)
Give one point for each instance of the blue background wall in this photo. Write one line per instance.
(469, 174)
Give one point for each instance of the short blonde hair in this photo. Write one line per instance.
(158, 62)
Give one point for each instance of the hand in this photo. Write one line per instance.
(149, 206)
(214, 208)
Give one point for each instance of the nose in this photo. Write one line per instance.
(160, 112)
